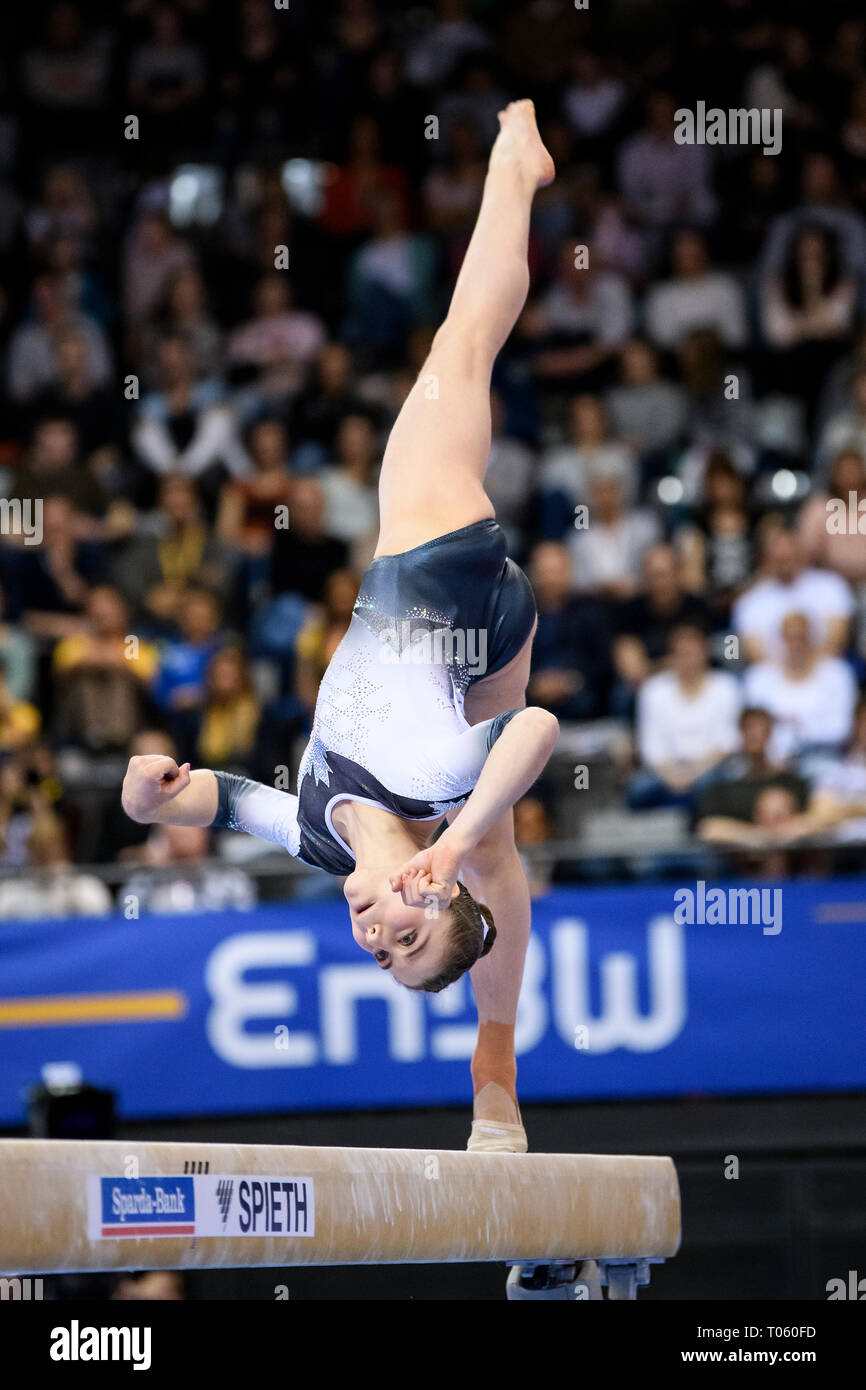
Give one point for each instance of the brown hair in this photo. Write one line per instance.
(467, 941)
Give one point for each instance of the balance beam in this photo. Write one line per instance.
(78, 1205)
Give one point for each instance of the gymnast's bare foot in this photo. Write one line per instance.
(519, 142)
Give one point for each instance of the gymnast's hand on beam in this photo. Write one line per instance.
(428, 877)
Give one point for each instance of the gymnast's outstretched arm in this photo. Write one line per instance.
(157, 791)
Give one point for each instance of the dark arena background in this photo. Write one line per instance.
(228, 234)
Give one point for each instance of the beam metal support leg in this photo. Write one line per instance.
(623, 1277)
(576, 1280)
(559, 1280)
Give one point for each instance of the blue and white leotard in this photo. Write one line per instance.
(389, 727)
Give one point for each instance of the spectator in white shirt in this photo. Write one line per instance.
(607, 553)
(789, 587)
(587, 300)
(349, 484)
(687, 723)
(59, 890)
(696, 297)
(565, 470)
(839, 794)
(811, 696)
(185, 427)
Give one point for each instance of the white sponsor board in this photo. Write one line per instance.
(218, 1204)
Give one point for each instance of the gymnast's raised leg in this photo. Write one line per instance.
(432, 482)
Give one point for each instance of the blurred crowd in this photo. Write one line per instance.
(226, 239)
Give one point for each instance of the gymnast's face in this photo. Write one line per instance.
(402, 940)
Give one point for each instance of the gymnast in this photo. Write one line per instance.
(400, 744)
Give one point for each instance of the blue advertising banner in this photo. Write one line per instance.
(629, 991)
